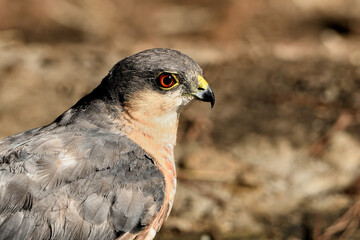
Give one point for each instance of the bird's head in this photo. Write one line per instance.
(158, 81)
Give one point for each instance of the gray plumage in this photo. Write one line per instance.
(57, 183)
(81, 177)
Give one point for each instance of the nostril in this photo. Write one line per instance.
(200, 88)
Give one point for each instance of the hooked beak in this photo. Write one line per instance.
(204, 92)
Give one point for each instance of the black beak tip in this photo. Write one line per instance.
(211, 99)
(210, 96)
(206, 96)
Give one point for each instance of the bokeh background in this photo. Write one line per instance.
(279, 155)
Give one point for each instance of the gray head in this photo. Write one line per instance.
(158, 76)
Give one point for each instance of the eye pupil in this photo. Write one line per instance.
(167, 80)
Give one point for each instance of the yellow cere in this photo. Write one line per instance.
(202, 82)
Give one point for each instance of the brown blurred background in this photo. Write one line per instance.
(279, 155)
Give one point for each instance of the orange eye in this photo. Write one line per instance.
(166, 80)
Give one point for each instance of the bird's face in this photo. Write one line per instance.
(158, 81)
(184, 86)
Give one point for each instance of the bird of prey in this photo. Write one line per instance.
(104, 169)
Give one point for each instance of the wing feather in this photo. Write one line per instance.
(57, 184)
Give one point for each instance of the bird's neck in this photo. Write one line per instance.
(156, 133)
(150, 119)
